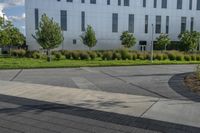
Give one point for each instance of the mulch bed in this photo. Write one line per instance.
(193, 83)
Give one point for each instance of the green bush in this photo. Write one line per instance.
(141, 56)
(37, 55)
(198, 58)
(75, 55)
(187, 58)
(171, 56)
(193, 57)
(58, 56)
(107, 55)
(159, 56)
(179, 57)
(116, 56)
(18, 53)
(165, 57)
(68, 55)
(134, 56)
(125, 54)
(92, 55)
(84, 56)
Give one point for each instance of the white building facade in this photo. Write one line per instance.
(109, 18)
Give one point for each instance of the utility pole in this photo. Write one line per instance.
(152, 43)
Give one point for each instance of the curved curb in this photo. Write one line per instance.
(177, 84)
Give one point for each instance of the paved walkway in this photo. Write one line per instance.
(98, 100)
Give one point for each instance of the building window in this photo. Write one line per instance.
(190, 4)
(198, 4)
(108, 2)
(144, 3)
(179, 4)
(158, 24)
(164, 3)
(114, 22)
(82, 1)
(192, 24)
(146, 23)
(183, 24)
(167, 24)
(82, 21)
(69, 0)
(92, 1)
(131, 23)
(155, 4)
(36, 19)
(119, 2)
(74, 41)
(63, 20)
(126, 2)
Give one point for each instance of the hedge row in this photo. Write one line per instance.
(121, 54)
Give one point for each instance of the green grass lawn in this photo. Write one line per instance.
(27, 63)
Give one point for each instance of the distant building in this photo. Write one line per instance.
(110, 18)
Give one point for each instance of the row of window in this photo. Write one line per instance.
(131, 19)
(164, 3)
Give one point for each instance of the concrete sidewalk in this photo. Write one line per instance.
(181, 112)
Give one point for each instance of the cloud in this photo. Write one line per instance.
(17, 18)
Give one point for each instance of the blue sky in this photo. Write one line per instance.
(14, 11)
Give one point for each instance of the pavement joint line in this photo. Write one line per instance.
(15, 76)
(135, 85)
(149, 108)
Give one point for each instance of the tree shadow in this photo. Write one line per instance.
(25, 105)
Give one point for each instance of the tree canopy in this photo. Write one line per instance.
(127, 39)
(89, 38)
(162, 41)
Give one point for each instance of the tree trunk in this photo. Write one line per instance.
(48, 55)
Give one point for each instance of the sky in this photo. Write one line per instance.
(14, 11)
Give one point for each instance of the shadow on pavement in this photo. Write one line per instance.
(26, 105)
(177, 84)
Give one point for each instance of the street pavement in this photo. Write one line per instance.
(143, 99)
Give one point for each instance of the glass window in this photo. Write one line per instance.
(108, 2)
(146, 23)
(183, 24)
(131, 23)
(82, 1)
(198, 4)
(126, 2)
(63, 20)
(92, 1)
(167, 24)
(192, 24)
(158, 24)
(179, 4)
(119, 2)
(144, 3)
(155, 4)
(115, 22)
(36, 18)
(164, 3)
(190, 4)
(83, 21)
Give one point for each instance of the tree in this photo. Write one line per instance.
(189, 40)
(89, 38)
(162, 41)
(49, 35)
(127, 39)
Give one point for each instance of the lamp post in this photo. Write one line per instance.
(152, 43)
(63, 40)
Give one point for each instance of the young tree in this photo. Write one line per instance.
(89, 38)
(127, 39)
(189, 40)
(162, 41)
(49, 35)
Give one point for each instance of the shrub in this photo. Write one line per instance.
(84, 56)
(134, 56)
(165, 57)
(18, 53)
(37, 55)
(193, 57)
(125, 54)
(159, 57)
(92, 55)
(99, 54)
(198, 58)
(141, 56)
(198, 72)
(179, 57)
(107, 55)
(58, 55)
(68, 54)
(117, 56)
(187, 58)
(172, 56)
(76, 55)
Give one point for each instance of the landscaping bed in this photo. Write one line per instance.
(193, 83)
